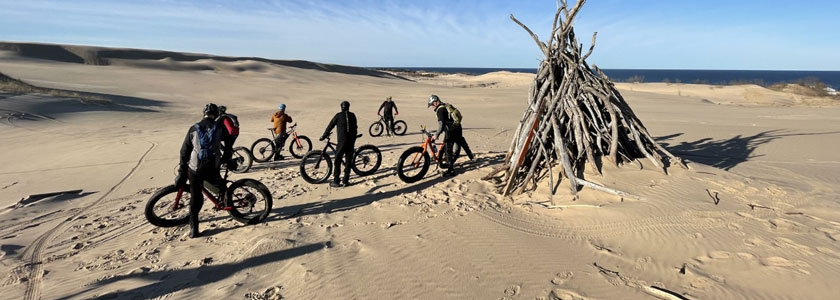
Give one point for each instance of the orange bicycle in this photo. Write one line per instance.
(414, 162)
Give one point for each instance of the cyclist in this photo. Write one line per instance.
(454, 133)
(201, 156)
(347, 131)
(280, 118)
(231, 123)
(387, 106)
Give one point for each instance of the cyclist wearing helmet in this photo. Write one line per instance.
(205, 146)
(389, 108)
(347, 129)
(280, 119)
(454, 133)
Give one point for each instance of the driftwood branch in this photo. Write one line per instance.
(575, 118)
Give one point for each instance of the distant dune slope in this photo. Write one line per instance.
(102, 56)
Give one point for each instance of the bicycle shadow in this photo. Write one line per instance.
(344, 204)
(273, 165)
(169, 281)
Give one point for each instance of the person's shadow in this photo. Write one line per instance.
(169, 281)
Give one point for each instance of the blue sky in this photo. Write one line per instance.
(664, 34)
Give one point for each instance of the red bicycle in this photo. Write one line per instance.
(247, 200)
(263, 149)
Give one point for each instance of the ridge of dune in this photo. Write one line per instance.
(745, 94)
(95, 55)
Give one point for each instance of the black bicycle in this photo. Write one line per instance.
(247, 200)
(317, 165)
(399, 127)
(242, 158)
(263, 149)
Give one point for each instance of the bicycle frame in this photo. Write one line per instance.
(428, 147)
(328, 146)
(292, 132)
(217, 204)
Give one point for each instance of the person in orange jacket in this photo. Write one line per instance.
(280, 119)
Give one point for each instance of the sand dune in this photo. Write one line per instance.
(105, 56)
(769, 159)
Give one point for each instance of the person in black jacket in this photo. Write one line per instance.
(388, 110)
(345, 121)
(206, 145)
(454, 134)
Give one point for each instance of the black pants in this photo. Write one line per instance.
(279, 140)
(343, 151)
(454, 142)
(197, 181)
(389, 123)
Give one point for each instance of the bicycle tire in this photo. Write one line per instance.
(243, 158)
(262, 150)
(399, 127)
(311, 160)
(402, 168)
(247, 200)
(305, 146)
(160, 220)
(374, 165)
(376, 129)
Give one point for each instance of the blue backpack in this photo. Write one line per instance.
(206, 144)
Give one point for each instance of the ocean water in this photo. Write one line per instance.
(830, 78)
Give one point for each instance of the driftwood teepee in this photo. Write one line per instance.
(575, 115)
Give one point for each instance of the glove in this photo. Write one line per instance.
(180, 178)
(322, 138)
(232, 165)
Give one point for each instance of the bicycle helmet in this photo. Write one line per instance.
(222, 109)
(282, 107)
(432, 100)
(211, 110)
(345, 105)
(388, 98)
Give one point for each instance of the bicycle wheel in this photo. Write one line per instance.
(250, 201)
(162, 209)
(243, 159)
(263, 150)
(316, 167)
(399, 127)
(299, 151)
(376, 129)
(413, 165)
(367, 160)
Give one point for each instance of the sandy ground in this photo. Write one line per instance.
(770, 157)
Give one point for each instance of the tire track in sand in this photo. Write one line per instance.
(34, 253)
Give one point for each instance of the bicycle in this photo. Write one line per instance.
(263, 149)
(317, 165)
(420, 159)
(243, 159)
(398, 127)
(170, 206)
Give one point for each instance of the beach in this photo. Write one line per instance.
(755, 216)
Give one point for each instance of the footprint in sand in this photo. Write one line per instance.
(513, 290)
(561, 278)
(561, 294)
(830, 253)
